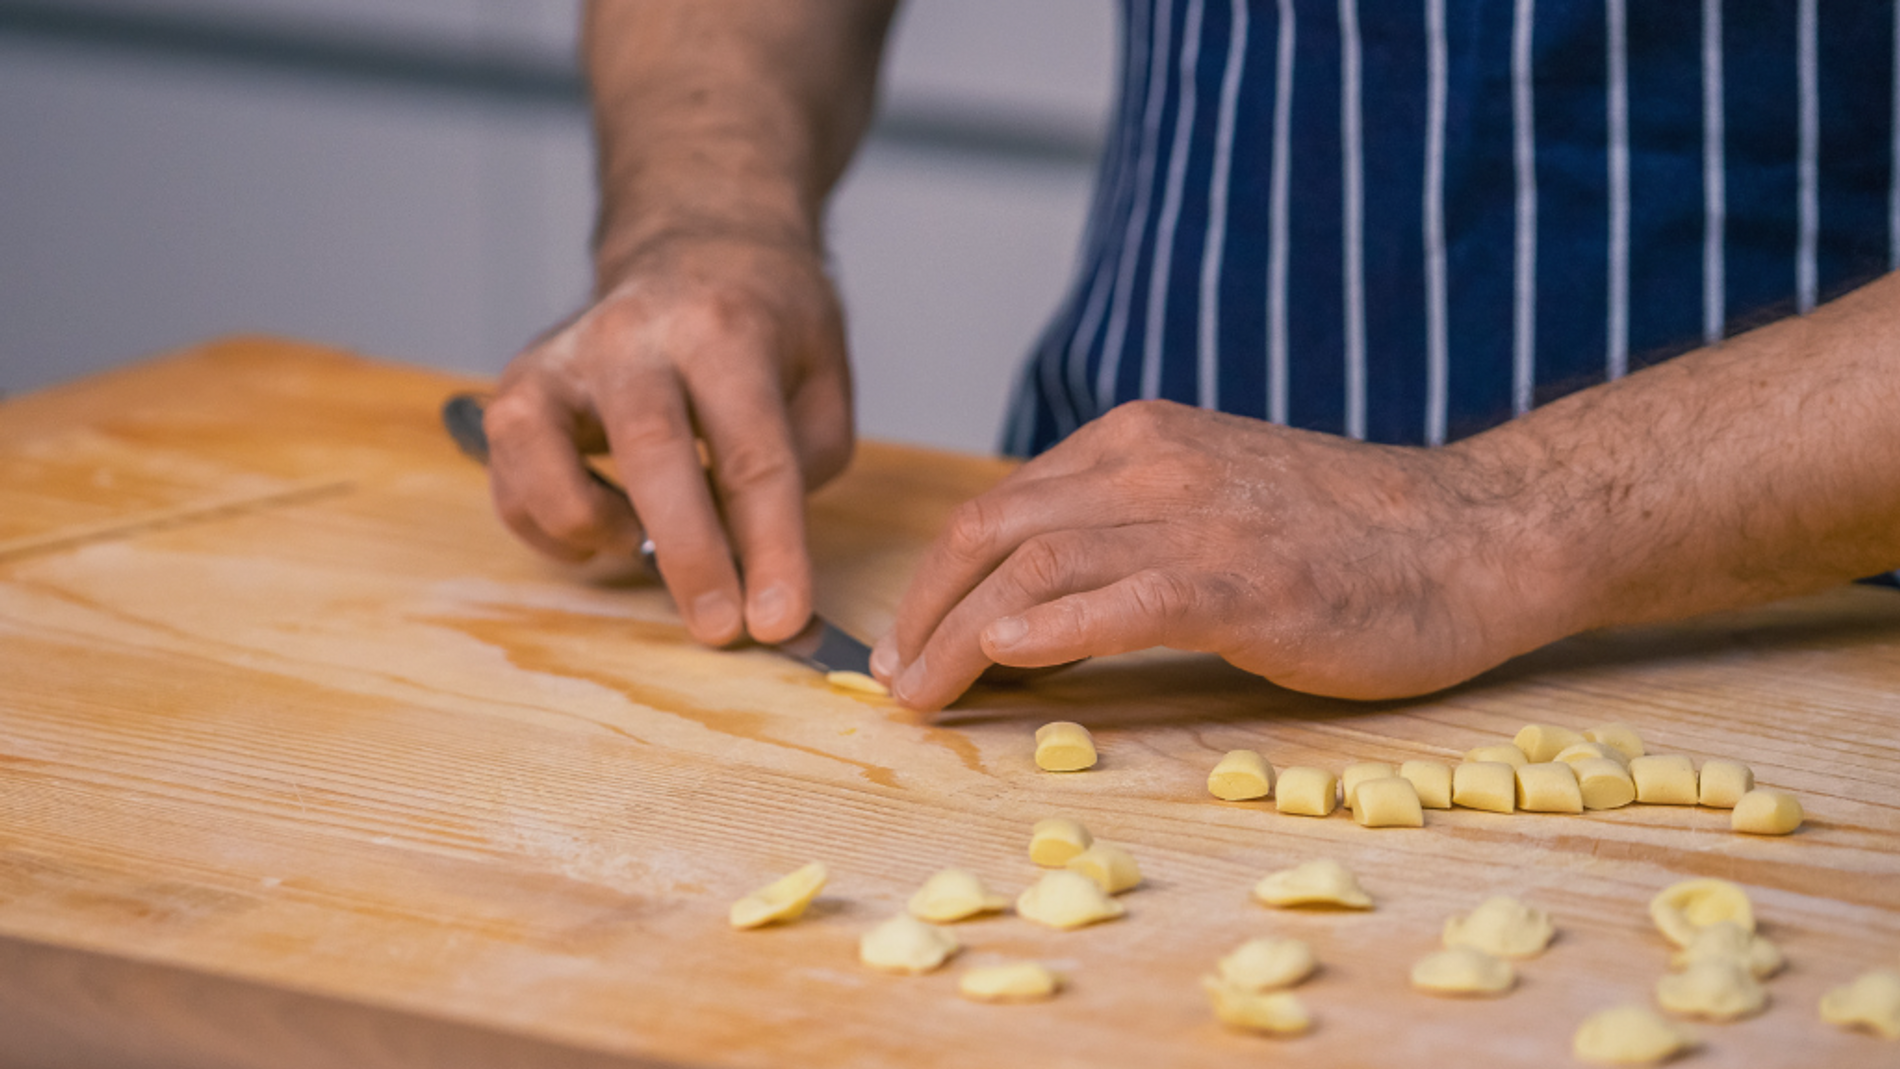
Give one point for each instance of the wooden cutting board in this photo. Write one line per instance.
(285, 714)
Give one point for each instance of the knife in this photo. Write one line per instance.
(823, 645)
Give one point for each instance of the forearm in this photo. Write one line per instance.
(1764, 467)
(726, 117)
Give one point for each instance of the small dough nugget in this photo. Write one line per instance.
(1722, 783)
(1267, 964)
(1432, 781)
(1629, 1035)
(1486, 785)
(1548, 787)
(781, 901)
(1307, 792)
(1506, 752)
(1543, 742)
(1728, 941)
(1017, 981)
(857, 681)
(1064, 747)
(1604, 783)
(1241, 775)
(952, 895)
(1664, 779)
(1583, 751)
(1501, 926)
(1359, 772)
(1682, 909)
(1766, 811)
(1717, 989)
(1620, 737)
(1280, 1013)
(1463, 970)
(1111, 867)
(907, 945)
(1872, 1002)
(1065, 900)
(1054, 841)
(1323, 882)
(1388, 803)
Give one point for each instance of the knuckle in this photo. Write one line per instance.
(1043, 564)
(570, 520)
(753, 465)
(1162, 595)
(972, 530)
(510, 417)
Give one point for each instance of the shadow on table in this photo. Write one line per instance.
(1163, 687)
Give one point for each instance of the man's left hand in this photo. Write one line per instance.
(1323, 564)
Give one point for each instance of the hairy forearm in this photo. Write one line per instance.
(1760, 468)
(726, 117)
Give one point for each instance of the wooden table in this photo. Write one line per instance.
(304, 761)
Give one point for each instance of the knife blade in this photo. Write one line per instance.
(822, 645)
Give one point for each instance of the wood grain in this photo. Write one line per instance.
(359, 746)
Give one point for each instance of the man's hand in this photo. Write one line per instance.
(722, 129)
(1326, 565)
(735, 342)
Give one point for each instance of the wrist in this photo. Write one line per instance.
(1525, 564)
(622, 249)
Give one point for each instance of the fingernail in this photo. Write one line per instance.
(1006, 632)
(911, 681)
(715, 613)
(769, 606)
(884, 657)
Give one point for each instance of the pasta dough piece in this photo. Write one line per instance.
(1241, 775)
(1266, 964)
(1717, 989)
(1359, 772)
(1543, 742)
(1463, 970)
(1872, 1001)
(1432, 781)
(1583, 751)
(1548, 787)
(1506, 752)
(1111, 867)
(781, 901)
(1501, 926)
(1629, 1035)
(1604, 783)
(1064, 747)
(1722, 783)
(907, 945)
(857, 681)
(1307, 792)
(1054, 841)
(1065, 900)
(1682, 909)
(1664, 779)
(1280, 1013)
(1388, 803)
(1017, 981)
(1323, 882)
(952, 895)
(1728, 941)
(1486, 785)
(1766, 811)
(1620, 737)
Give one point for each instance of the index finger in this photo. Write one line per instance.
(657, 457)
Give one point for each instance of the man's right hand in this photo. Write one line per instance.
(730, 342)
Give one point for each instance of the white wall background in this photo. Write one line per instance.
(152, 199)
